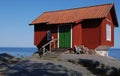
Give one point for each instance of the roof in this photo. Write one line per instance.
(74, 15)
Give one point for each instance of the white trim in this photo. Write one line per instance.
(71, 35)
(108, 20)
(58, 35)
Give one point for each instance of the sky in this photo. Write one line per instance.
(15, 16)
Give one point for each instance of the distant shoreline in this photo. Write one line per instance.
(28, 51)
(17, 47)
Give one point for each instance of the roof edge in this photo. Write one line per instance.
(114, 13)
(114, 10)
(80, 7)
(37, 23)
(108, 10)
(77, 21)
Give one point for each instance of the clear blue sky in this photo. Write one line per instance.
(15, 15)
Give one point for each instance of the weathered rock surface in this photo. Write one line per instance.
(38, 67)
(98, 65)
(69, 65)
(7, 59)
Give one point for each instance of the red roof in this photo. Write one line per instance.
(73, 15)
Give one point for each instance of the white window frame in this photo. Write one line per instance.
(108, 32)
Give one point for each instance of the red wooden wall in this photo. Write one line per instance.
(40, 34)
(91, 33)
(54, 30)
(103, 31)
(76, 35)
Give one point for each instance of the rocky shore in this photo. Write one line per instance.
(66, 65)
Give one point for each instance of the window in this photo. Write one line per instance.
(108, 32)
(48, 35)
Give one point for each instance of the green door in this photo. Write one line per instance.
(65, 36)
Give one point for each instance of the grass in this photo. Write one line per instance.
(50, 58)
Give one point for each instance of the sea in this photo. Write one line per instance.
(18, 51)
(26, 52)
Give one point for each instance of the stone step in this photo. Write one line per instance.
(55, 53)
(59, 50)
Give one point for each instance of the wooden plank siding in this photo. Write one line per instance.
(76, 35)
(103, 31)
(40, 34)
(91, 33)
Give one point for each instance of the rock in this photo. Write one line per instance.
(67, 52)
(36, 54)
(99, 65)
(69, 65)
(36, 67)
(5, 55)
(7, 59)
(1, 62)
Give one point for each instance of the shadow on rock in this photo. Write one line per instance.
(99, 68)
(40, 69)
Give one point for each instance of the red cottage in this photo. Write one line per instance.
(91, 26)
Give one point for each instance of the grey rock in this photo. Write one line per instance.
(98, 65)
(36, 67)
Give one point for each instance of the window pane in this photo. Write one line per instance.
(108, 32)
(48, 35)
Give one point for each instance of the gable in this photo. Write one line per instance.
(114, 17)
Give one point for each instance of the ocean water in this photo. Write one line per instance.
(26, 52)
(18, 52)
(115, 53)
